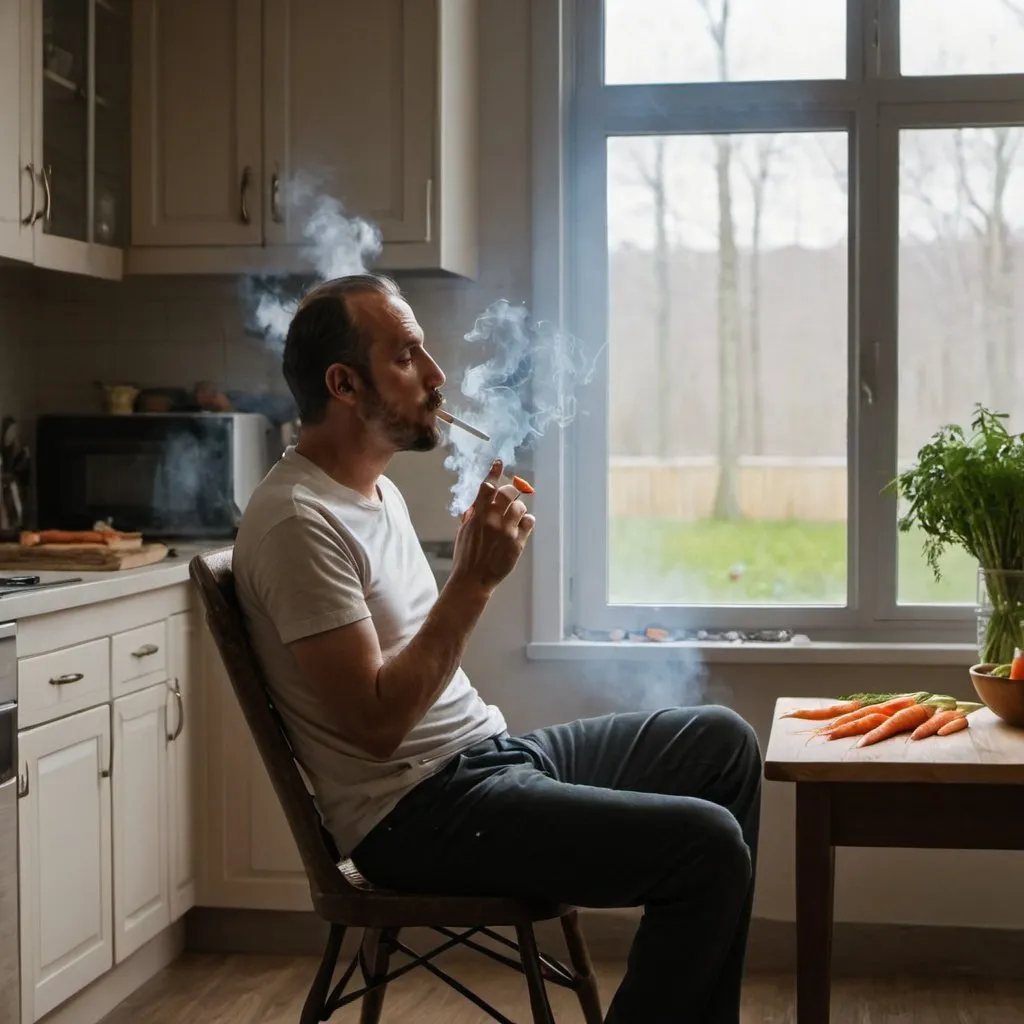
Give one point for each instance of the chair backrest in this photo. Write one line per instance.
(213, 576)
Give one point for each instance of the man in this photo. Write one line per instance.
(416, 777)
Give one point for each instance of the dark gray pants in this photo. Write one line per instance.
(659, 810)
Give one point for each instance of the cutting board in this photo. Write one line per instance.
(72, 557)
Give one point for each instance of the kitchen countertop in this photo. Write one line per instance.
(101, 585)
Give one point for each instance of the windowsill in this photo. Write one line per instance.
(789, 653)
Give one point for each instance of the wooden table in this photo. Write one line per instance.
(962, 791)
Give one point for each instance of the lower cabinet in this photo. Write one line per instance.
(66, 879)
(107, 802)
(142, 879)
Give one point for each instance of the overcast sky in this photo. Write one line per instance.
(668, 40)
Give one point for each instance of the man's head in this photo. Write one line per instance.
(354, 348)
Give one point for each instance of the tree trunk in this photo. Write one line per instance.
(726, 504)
(663, 301)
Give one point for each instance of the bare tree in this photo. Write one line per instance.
(994, 156)
(652, 173)
(758, 172)
(726, 504)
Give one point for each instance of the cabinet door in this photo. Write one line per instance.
(196, 167)
(141, 870)
(349, 96)
(65, 858)
(182, 752)
(17, 179)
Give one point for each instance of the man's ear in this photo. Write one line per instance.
(340, 382)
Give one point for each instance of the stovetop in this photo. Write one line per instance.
(12, 582)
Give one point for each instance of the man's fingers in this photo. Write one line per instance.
(485, 495)
(526, 525)
(505, 498)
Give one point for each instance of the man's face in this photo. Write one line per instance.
(401, 398)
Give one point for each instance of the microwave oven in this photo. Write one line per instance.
(168, 475)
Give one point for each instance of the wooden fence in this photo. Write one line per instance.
(769, 488)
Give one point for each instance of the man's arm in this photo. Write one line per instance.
(374, 703)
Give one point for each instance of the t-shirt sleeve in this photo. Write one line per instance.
(307, 578)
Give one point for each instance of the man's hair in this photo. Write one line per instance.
(324, 331)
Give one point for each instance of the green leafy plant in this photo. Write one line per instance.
(968, 491)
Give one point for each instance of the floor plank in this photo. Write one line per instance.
(244, 989)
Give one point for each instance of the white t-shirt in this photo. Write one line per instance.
(312, 555)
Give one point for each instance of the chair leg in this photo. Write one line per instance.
(313, 1008)
(375, 963)
(579, 956)
(534, 978)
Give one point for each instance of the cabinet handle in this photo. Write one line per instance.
(23, 790)
(171, 737)
(47, 172)
(244, 212)
(68, 677)
(275, 197)
(145, 651)
(31, 217)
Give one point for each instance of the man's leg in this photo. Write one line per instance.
(657, 825)
(709, 753)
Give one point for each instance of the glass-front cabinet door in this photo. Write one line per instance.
(82, 134)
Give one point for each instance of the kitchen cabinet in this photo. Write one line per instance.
(141, 844)
(245, 117)
(184, 795)
(64, 821)
(16, 158)
(65, 129)
(249, 858)
(196, 165)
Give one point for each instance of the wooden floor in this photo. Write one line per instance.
(246, 989)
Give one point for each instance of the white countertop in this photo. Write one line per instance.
(100, 585)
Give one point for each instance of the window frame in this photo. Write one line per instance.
(573, 115)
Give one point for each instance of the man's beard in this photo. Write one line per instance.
(405, 434)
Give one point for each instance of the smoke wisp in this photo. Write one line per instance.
(338, 244)
(526, 384)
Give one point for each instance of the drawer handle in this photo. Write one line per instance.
(68, 677)
(145, 651)
(23, 791)
(172, 736)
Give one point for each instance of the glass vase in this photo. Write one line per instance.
(1000, 615)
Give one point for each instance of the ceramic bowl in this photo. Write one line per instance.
(1005, 697)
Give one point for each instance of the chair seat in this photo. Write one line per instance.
(370, 906)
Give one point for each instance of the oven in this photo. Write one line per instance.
(166, 475)
(10, 965)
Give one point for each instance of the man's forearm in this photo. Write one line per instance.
(410, 682)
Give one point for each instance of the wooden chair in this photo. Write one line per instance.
(344, 899)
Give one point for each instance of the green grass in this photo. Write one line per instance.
(656, 561)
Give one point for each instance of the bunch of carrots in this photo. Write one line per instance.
(878, 716)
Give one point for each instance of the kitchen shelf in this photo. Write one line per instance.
(72, 87)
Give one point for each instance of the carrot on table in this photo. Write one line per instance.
(932, 725)
(821, 714)
(857, 727)
(958, 723)
(889, 707)
(904, 719)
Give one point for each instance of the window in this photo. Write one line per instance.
(795, 239)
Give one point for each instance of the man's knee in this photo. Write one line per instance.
(724, 851)
(728, 732)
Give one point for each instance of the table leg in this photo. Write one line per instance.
(815, 868)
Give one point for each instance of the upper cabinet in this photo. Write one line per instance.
(247, 112)
(64, 133)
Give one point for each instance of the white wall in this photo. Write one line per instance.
(57, 334)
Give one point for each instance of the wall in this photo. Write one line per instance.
(58, 334)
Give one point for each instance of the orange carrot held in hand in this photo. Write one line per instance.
(955, 725)
(857, 727)
(932, 725)
(821, 714)
(904, 720)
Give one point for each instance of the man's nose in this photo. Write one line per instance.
(435, 375)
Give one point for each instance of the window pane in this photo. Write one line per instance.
(960, 336)
(953, 37)
(728, 355)
(648, 41)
